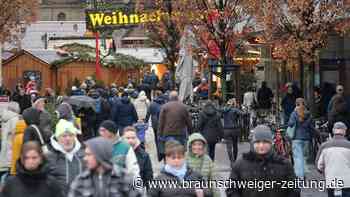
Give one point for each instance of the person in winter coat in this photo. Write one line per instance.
(301, 120)
(77, 91)
(232, 130)
(154, 82)
(174, 119)
(198, 159)
(124, 114)
(318, 104)
(45, 117)
(174, 122)
(333, 160)
(143, 159)
(154, 112)
(261, 163)
(123, 155)
(339, 112)
(103, 111)
(33, 132)
(167, 82)
(265, 96)
(113, 97)
(176, 170)
(65, 111)
(22, 99)
(32, 179)
(339, 92)
(146, 84)
(288, 103)
(17, 143)
(210, 126)
(141, 105)
(9, 118)
(101, 178)
(66, 154)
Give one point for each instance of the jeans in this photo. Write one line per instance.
(345, 192)
(300, 151)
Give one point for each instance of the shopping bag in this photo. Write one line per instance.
(291, 132)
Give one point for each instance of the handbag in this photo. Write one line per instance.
(291, 132)
(42, 142)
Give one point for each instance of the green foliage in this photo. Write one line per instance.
(85, 53)
(51, 109)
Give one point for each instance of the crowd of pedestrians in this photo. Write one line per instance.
(99, 151)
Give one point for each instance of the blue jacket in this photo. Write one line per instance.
(124, 113)
(147, 79)
(288, 104)
(154, 80)
(303, 130)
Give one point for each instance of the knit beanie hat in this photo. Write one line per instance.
(64, 126)
(102, 150)
(339, 125)
(110, 126)
(262, 133)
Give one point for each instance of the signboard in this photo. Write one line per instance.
(105, 19)
(4, 99)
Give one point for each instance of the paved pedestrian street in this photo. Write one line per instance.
(222, 165)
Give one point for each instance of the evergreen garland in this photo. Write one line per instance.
(86, 53)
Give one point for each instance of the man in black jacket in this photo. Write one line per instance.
(143, 159)
(265, 96)
(263, 167)
(210, 126)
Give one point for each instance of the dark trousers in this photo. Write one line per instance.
(345, 192)
(232, 148)
(160, 157)
(211, 150)
(231, 136)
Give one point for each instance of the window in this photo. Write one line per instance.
(61, 16)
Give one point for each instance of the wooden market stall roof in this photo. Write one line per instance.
(76, 52)
(27, 62)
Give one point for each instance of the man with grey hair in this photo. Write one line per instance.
(174, 121)
(339, 91)
(333, 159)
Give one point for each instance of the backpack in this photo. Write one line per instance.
(141, 129)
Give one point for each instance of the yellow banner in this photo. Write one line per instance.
(96, 20)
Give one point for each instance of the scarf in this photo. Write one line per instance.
(68, 155)
(179, 173)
